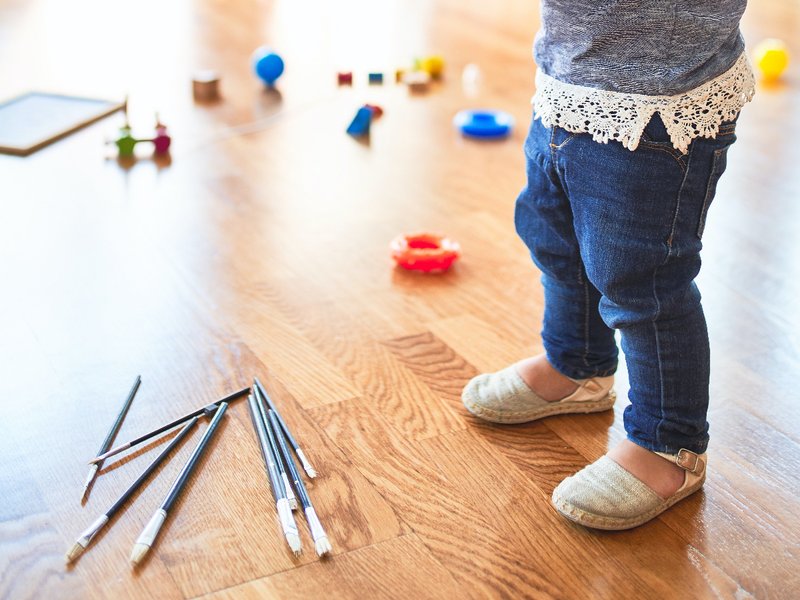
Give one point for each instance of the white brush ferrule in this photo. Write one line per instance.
(317, 531)
(310, 471)
(92, 530)
(288, 487)
(285, 515)
(90, 477)
(149, 533)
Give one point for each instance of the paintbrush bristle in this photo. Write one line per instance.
(293, 503)
(310, 471)
(294, 543)
(322, 546)
(73, 553)
(138, 553)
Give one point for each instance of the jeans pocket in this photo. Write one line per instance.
(655, 137)
(719, 162)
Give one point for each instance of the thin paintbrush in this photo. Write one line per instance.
(288, 524)
(91, 531)
(205, 410)
(150, 532)
(287, 486)
(321, 543)
(259, 389)
(110, 437)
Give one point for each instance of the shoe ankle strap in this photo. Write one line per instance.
(686, 460)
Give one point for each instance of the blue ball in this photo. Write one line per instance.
(267, 65)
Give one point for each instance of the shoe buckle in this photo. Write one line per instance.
(687, 460)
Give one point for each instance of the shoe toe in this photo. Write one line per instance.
(605, 490)
(498, 393)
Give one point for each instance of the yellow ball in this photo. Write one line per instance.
(772, 58)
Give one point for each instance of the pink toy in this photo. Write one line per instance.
(162, 140)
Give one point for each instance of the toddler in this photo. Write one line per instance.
(635, 108)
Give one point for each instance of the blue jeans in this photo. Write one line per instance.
(617, 237)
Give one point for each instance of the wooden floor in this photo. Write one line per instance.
(261, 249)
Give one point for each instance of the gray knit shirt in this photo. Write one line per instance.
(652, 47)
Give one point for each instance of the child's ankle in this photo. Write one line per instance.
(541, 377)
(657, 473)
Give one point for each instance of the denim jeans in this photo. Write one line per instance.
(617, 236)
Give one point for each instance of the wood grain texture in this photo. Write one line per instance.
(260, 248)
(30, 553)
(387, 570)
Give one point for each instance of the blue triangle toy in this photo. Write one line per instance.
(361, 122)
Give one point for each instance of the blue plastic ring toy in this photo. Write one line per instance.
(484, 123)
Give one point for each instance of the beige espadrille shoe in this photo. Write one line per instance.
(503, 397)
(605, 496)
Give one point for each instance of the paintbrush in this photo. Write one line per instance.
(148, 536)
(110, 437)
(259, 390)
(93, 529)
(288, 524)
(321, 543)
(205, 410)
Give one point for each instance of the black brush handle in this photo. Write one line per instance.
(299, 486)
(152, 467)
(200, 411)
(183, 476)
(260, 390)
(272, 446)
(115, 427)
(184, 418)
(263, 442)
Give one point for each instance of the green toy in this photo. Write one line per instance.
(125, 141)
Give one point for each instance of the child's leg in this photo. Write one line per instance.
(577, 341)
(575, 374)
(638, 219)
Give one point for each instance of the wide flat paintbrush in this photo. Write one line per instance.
(148, 536)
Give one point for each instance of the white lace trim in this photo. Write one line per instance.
(623, 117)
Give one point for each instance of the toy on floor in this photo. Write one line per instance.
(432, 65)
(425, 252)
(376, 110)
(345, 77)
(126, 143)
(359, 126)
(417, 81)
(484, 124)
(267, 65)
(375, 78)
(205, 86)
(471, 79)
(771, 57)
